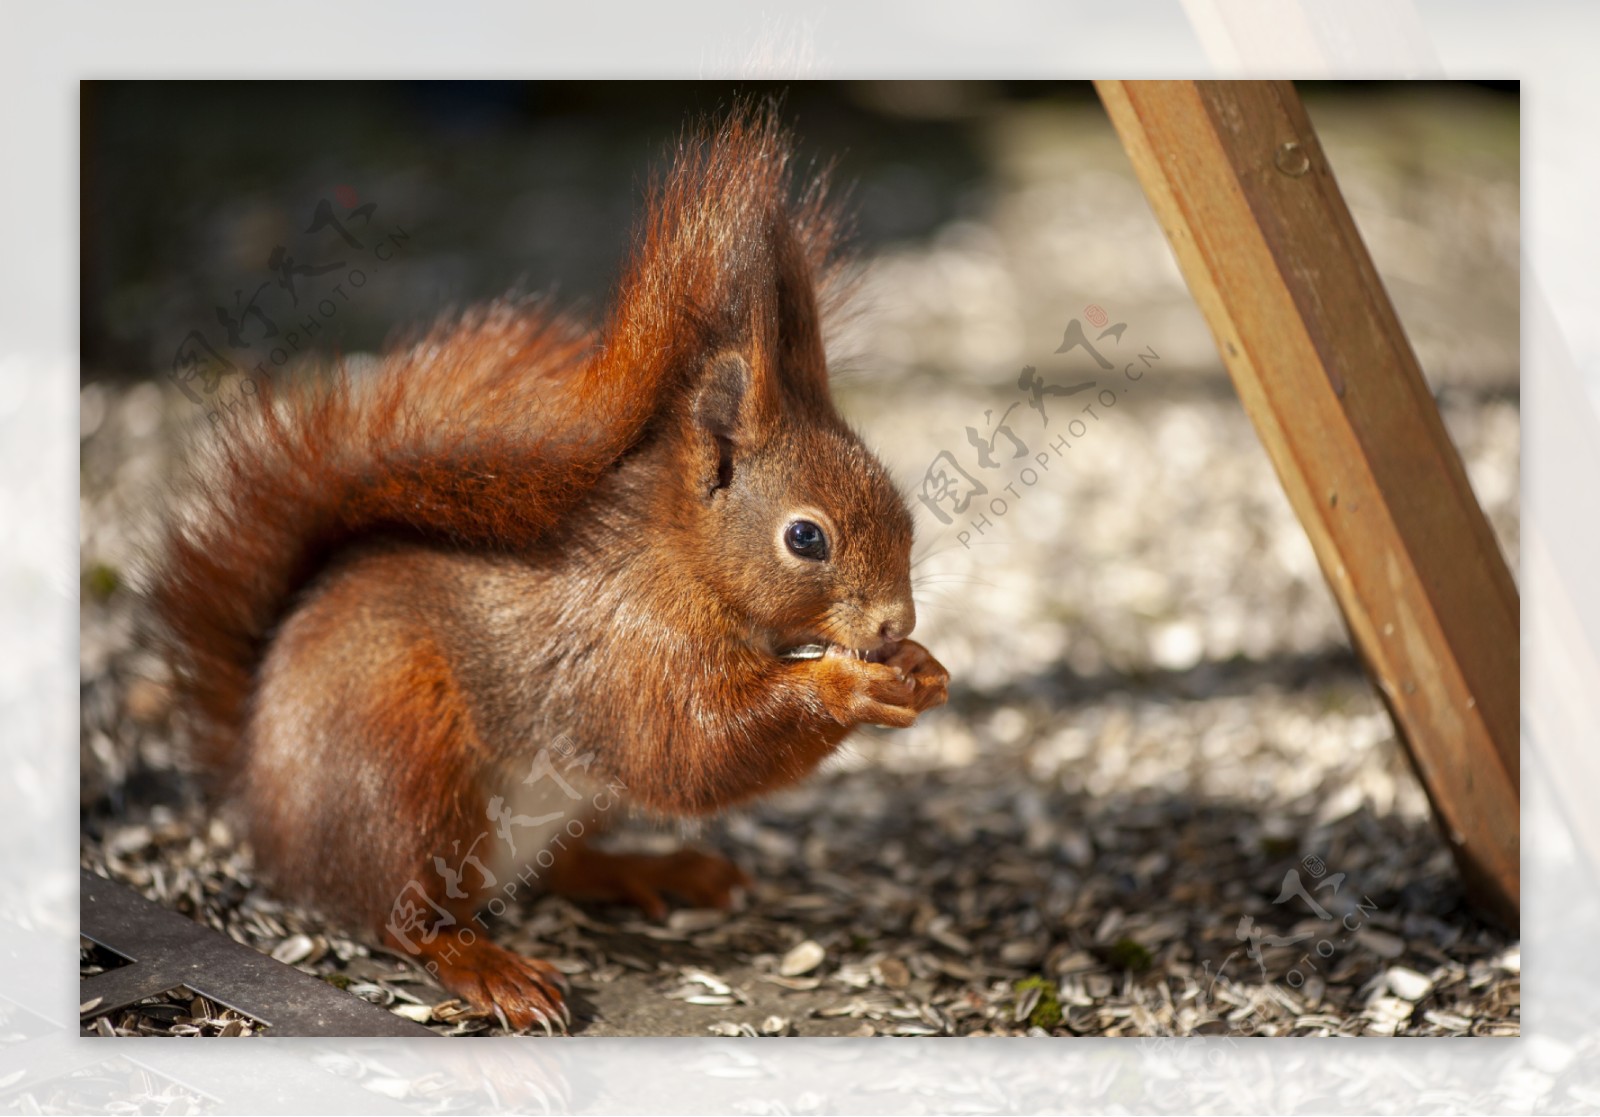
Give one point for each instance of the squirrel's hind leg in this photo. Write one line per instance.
(362, 793)
(704, 880)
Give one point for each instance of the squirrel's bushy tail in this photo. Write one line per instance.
(487, 432)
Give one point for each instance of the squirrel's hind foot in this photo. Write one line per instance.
(527, 994)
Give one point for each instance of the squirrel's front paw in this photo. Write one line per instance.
(930, 681)
(860, 692)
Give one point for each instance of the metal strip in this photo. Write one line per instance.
(120, 987)
(167, 950)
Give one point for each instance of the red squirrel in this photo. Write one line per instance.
(655, 539)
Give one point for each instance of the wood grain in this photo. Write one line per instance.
(1267, 245)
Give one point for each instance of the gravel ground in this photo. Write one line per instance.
(1158, 757)
(1162, 801)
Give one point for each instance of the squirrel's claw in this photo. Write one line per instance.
(520, 992)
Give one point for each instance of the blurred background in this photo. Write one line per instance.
(1155, 714)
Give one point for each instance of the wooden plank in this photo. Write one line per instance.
(1266, 243)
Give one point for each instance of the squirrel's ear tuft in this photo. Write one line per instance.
(729, 257)
(785, 323)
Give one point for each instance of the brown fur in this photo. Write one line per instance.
(389, 587)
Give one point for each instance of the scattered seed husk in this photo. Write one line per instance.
(1104, 800)
(1407, 984)
(802, 959)
(893, 973)
(1381, 943)
(295, 948)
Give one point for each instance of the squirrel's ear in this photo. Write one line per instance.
(722, 415)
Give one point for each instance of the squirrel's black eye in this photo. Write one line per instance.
(807, 540)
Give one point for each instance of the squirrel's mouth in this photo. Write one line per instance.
(819, 649)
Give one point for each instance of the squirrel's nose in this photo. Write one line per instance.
(897, 621)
